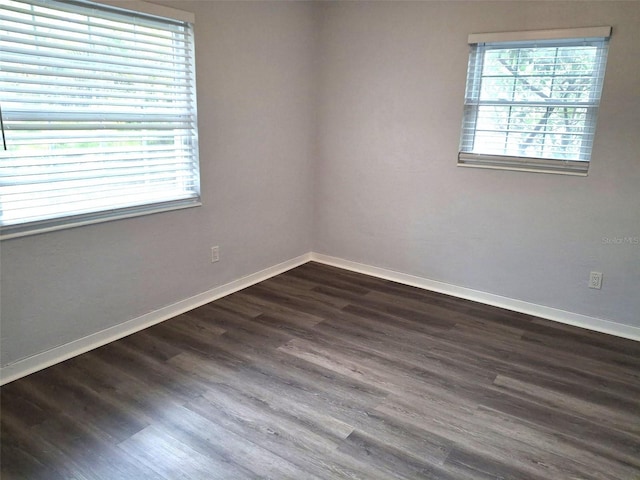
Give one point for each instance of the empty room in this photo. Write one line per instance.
(320, 240)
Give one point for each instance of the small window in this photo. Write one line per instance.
(98, 113)
(532, 100)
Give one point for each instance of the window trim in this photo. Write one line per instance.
(74, 221)
(138, 6)
(532, 35)
(529, 164)
(524, 164)
(133, 8)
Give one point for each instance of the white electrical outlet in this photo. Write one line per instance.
(595, 280)
(215, 254)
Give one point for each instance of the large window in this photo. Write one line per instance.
(532, 99)
(98, 113)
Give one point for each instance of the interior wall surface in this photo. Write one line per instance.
(255, 87)
(389, 193)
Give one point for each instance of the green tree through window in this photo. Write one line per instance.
(533, 100)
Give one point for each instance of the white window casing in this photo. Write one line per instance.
(99, 113)
(532, 99)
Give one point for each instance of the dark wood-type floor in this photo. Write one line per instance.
(320, 373)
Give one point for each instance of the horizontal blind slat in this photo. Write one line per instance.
(115, 161)
(176, 116)
(136, 175)
(126, 45)
(102, 126)
(141, 77)
(115, 20)
(55, 81)
(29, 94)
(19, 137)
(45, 197)
(42, 212)
(73, 185)
(50, 58)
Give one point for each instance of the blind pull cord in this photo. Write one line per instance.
(4, 141)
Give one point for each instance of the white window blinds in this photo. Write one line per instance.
(532, 99)
(99, 114)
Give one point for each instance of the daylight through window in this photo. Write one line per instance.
(99, 113)
(532, 103)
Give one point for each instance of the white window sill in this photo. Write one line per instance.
(35, 228)
(523, 164)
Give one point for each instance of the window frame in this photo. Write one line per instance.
(482, 42)
(153, 12)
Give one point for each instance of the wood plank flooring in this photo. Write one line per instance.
(321, 373)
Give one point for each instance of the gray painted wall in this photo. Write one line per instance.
(255, 75)
(334, 127)
(389, 193)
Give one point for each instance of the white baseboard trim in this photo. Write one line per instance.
(32, 364)
(549, 313)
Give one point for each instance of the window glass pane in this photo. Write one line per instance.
(534, 99)
(497, 88)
